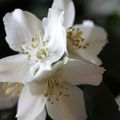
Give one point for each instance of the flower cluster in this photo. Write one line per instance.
(54, 56)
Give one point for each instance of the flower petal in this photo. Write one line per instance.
(117, 99)
(21, 26)
(15, 69)
(80, 72)
(69, 9)
(46, 73)
(41, 116)
(68, 108)
(55, 33)
(96, 37)
(29, 106)
(7, 101)
(37, 87)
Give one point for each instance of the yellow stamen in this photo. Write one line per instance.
(42, 54)
(56, 89)
(74, 37)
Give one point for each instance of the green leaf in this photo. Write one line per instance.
(100, 103)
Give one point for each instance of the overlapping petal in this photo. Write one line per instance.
(15, 69)
(29, 106)
(69, 11)
(21, 27)
(46, 73)
(79, 72)
(68, 108)
(41, 116)
(55, 33)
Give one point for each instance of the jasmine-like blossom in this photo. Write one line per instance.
(40, 44)
(57, 92)
(84, 41)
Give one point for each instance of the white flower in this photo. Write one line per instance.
(102, 7)
(57, 92)
(85, 41)
(117, 99)
(9, 94)
(40, 44)
(6, 100)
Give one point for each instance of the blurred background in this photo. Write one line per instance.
(105, 13)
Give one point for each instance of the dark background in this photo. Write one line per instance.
(105, 13)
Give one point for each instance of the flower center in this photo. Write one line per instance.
(42, 54)
(74, 37)
(37, 50)
(56, 89)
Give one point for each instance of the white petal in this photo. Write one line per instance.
(29, 106)
(102, 8)
(15, 69)
(40, 70)
(56, 34)
(21, 26)
(43, 75)
(37, 87)
(80, 72)
(68, 108)
(117, 99)
(41, 116)
(96, 37)
(69, 9)
(7, 101)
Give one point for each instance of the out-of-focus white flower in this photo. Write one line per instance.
(102, 7)
(117, 99)
(7, 100)
(40, 44)
(84, 41)
(57, 92)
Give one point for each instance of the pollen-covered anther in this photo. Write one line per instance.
(42, 54)
(34, 43)
(58, 93)
(74, 37)
(29, 56)
(45, 42)
(56, 89)
(37, 45)
(24, 50)
(34, 39)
